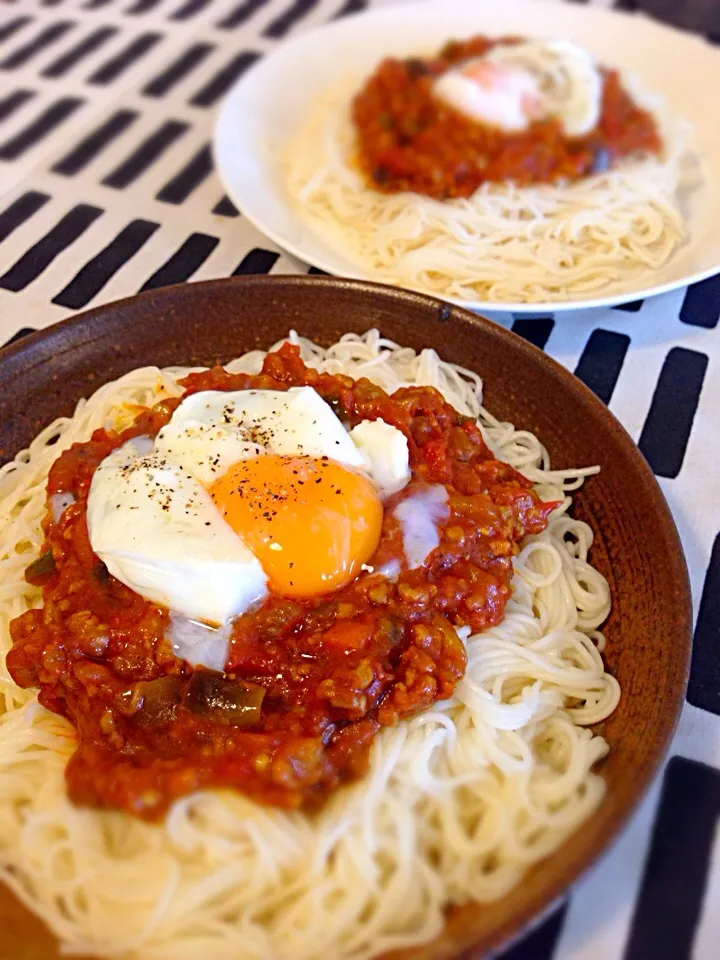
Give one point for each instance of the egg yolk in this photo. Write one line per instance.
(310, 522)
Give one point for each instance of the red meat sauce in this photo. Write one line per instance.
(308, 683)
(407, 139)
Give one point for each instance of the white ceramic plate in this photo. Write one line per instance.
(267, 103)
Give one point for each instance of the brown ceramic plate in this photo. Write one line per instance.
(636, 548)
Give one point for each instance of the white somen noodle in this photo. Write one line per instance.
(547, 242)
(459, 800)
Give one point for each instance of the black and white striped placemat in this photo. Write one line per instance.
(107, 188)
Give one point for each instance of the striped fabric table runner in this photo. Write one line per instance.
(107, 187)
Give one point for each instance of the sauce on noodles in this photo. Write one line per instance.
(408, 139)
(309, 682)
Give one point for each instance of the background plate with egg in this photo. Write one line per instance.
(269, 103)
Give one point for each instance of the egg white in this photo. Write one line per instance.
(214, 429)
(384, 450)
(570, 83)
(501, 106)
(558, 76)
(420, 515)
(157, 530)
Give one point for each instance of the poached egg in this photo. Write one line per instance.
(514, 85)
(242, 494)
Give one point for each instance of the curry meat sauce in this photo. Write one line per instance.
(308, 682)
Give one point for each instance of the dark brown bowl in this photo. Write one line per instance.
(636, 547)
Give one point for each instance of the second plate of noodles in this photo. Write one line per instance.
(470, 154)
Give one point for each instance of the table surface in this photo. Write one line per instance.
(107, 187)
